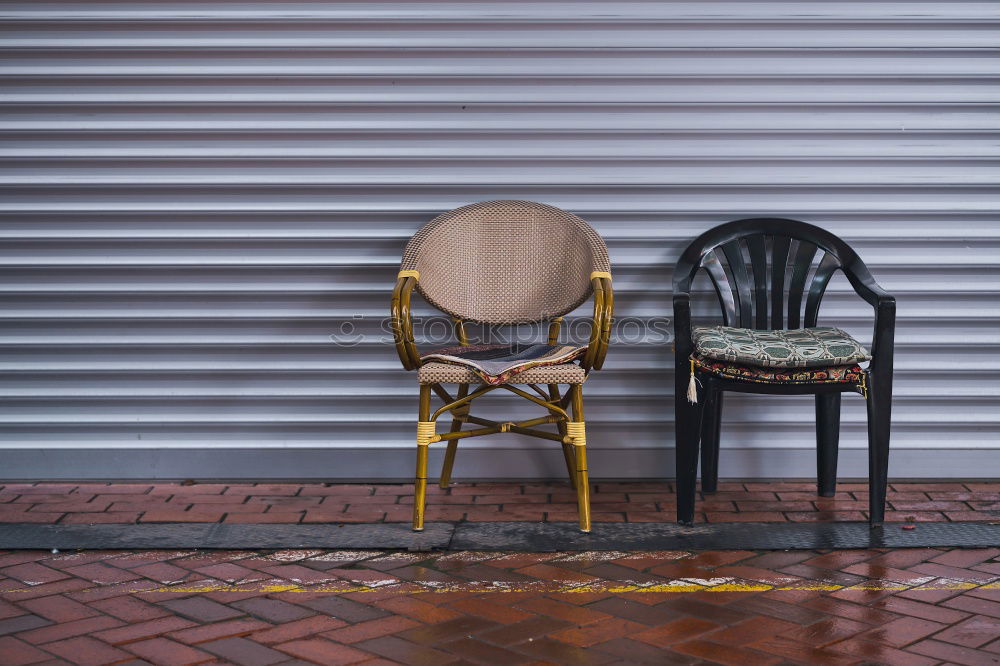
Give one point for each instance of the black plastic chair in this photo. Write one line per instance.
(738, 256)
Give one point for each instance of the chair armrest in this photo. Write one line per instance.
(883, 338)
(870, 290)
(402, 323)
(884, 305)
(863, 282)
(600, 332)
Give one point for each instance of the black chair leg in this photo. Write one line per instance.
(827, 442)
(687, 427)
(879, 417)
(711, 424)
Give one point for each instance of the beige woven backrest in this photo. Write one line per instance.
(506, 262)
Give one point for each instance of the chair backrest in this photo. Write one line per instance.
(506, 262)
(765, 269)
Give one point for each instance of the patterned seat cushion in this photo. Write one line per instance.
(838, 374)
(446, 373)
(818, 347)
(500, 363)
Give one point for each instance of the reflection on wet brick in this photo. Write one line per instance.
(913, 607)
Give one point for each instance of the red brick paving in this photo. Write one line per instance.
(501, 607)
(75, 503)
(942, 606)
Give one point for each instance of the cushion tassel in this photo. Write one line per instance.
(692, 395)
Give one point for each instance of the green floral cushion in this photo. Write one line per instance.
(798, 348)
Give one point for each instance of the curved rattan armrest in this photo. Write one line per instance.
(600, 332)
(402, 323)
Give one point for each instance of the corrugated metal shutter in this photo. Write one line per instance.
(197, 194)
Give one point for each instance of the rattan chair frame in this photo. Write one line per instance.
(564, 409)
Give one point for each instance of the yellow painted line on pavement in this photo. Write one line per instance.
(546, 587)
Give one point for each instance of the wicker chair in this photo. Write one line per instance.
(504, 262)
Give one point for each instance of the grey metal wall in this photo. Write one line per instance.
(197, 194)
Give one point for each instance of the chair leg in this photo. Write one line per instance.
(425, 432)
(827, 442)
(449, 458)
(711, 425)
(577, 430)
(567, 449)
(686, 430)
(569, 457)
(449, 454)
(879, 418)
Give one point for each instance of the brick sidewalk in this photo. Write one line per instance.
(916, 607)
(913, 607)
(347, 503)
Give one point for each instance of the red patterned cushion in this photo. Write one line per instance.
(838, 374)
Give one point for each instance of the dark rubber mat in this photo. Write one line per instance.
(227, 536)
(527, 536)
(719, 536)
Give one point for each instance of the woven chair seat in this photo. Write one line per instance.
(447, 373)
